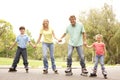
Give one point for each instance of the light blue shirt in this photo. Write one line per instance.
(75, 33)
(22, 40)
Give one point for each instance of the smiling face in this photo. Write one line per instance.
(72, 20)
(99, 38)
(22, 30)
(45, 23)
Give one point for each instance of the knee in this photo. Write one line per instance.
(52, 57)
(102, 64)
(69, 57)
(82, 58)
(44, 57)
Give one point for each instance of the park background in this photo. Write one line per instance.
(97, 16)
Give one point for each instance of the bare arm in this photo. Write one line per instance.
(13, 45)
(62, 37)
(104, 49)
(54, 35)
(84, 38)
(31, 44)
(39, 38)
(91, 46)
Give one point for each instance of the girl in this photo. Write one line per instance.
(99, 48)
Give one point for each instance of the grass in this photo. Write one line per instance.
(32, 63)
(39, 63)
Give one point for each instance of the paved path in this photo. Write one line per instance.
(36, 74)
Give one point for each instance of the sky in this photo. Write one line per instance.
(31, 13)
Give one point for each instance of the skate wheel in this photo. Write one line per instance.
(56, 72)
(45, 72)
(105, 77)
(93, 76)
(69, 74)
(27, 72)
(12, 70)
(83, 74)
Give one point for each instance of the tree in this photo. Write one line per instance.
(6, 37)
(102, 21)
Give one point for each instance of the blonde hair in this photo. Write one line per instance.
(98, 35)
(45, 20)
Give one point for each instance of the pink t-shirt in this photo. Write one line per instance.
(99, 48)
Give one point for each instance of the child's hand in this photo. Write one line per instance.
(10, 48)
(34, 46)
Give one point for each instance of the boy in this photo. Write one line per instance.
(21, 40)
(99, 48)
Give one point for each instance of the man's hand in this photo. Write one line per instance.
(84, 43)
(60, 40)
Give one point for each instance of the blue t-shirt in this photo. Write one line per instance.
(75, 34)
(22, 40)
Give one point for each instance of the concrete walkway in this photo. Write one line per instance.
(36, 74)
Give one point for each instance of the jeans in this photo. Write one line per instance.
(101, 59)
(23, 52)
(45, 47)
(80, 53)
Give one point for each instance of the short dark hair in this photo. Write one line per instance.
(72, 16)
(22, 27)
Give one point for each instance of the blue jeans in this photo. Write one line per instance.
(101, 59)
(19, 52)
(80, 53)
(45, 47)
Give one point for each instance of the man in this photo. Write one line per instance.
(77, 39)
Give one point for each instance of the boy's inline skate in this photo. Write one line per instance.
(12, 69)
(26, 68)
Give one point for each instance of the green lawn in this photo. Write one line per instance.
(32, 63)
(38, 63)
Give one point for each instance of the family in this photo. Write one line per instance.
(77, 40)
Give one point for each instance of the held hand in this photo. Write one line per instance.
(34, 46)
(10, 48)
(84, 43)
(59, 40)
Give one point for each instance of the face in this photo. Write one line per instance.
(22, 31)
(99, 38)
(45, 23)
(72, 21)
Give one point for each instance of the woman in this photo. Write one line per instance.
(47, 43)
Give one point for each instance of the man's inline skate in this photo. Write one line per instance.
(84, 72)
(68, 71)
